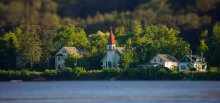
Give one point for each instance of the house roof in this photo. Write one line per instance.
(103, 58)
(111, 39)
(145, 64)
(167, 57)
(194, 57)
(72, 50)
(120, 49)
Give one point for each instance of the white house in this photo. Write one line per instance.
(197, 62)
(112, 57)
(62, 54)
(165, 60)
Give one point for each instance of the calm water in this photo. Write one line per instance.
(110, 92)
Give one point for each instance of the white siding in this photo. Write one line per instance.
(167, 64)
(111, 56)
(117, 59)
(104, 62)
(196, 65)
(157, 60)
(61, 63)
(171, 64)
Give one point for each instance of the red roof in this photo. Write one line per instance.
(111, 39)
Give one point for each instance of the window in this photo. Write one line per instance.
(155, 61)
(203, 66)
(58, 58)
(109, 47)
(109, 64)
(186, 60)
(160, 61)
(183, 67)
(64, 51)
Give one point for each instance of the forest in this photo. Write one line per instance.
(34, 30)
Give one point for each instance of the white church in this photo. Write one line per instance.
(113, 55)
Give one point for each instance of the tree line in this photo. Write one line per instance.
(141, 44)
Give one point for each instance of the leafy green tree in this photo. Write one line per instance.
(98, 43)
(71, 36)
(120, 31)
(128, 57)
(203, 47)
(136, 28)
(72, 60)
(96, 51)
(160, 39)
(214, 50)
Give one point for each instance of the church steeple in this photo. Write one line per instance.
(111, 41)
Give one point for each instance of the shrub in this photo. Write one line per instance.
(51, 74)
(213, 69)
(109, 73)
(18, 75)
(78, 71)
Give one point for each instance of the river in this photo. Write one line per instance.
(110, 92)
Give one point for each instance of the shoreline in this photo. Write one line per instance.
(111, 74)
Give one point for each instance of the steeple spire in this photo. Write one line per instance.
(111, 39)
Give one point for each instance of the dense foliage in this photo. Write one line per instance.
(109, 74)
(31, 31)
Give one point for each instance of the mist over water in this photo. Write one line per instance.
(110, 92)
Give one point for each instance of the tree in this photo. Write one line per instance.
(29, 50)
(120, 31)
(160, 39)
(46, 34)
(71, 36)
(8, 50)
(214, 50)
(128, 57)
(206, 5)
(203, 47)
(136, 28)
(96, 51)
(71, 60)
(98, 43)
